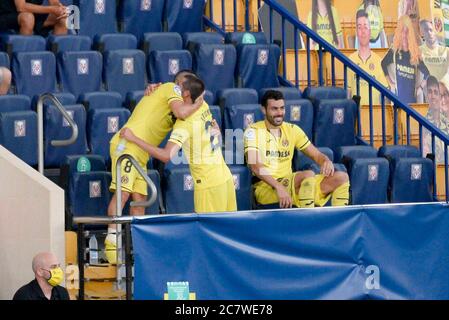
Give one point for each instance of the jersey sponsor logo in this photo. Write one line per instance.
(219, 56)
(19, 128)
(277, 153)
(173, 66)
(295, 113)
(177, 90)
(236, 179)
(250, 135)
(188, 4)
(339, 116)
(100, 6)
(188, 182)
(128, 65)
(373, 172)
(145, 5)
(95, 189)
(248, 119)
(83, 66)
(36, 67)
(113, 124)
(416, 172)
(71, 114)
(262, 57)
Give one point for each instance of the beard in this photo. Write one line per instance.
(275, 121)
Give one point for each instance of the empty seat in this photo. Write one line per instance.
(80, 71)
(243, 188)
(164, 65)
(101, 100)
(397, 152)
(65, 43)
(229, 97)
(161, 41)
(97, 17)
(241, 116)
(184, 16)
(236, 38)
(4, 60)
(115, 41)
(140, 16)
(124, 71)
(34, 73)
(210, 60)
(354, 152)
(65, 98)
(178, 190)
(12, 43)
(300, 112)
(57, 128)
(133, 98)
(289, 93)
(302, 162)
(319, 93)
(209, 97)
(334, 118)
(257, 66)
(12, 103)
(190, 39)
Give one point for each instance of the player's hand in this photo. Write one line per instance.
(59, 11)
(327, 169)
(215, 129)
(151, 88)
(285, 201)
(126, 133)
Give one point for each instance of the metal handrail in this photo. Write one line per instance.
(40, 134)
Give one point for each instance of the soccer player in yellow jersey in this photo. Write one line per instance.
(269, 147)
(151, 120)
(366, 59)
(214, 189)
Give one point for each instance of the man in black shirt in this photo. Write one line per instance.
(46, 285)
(28, 16)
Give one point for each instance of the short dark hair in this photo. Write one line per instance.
(360, 14)
(186, 72)
(271, 94)
(194, 85)
(432, 82)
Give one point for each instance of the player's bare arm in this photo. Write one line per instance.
(183, 110)
(327, 167)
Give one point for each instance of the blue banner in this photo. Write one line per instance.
(360, 252)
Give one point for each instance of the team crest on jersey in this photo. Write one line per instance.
(145, 5)
(188, 4)
(372, 66)
(113, 124)
(373, 172)
(188, 182)
(416, 172)
(177, 90)
(248, 119)
(173, 66)
(100, 6)
(128, 65)
(285, 143)
(219, 57)
(19, 128)
(339, 116)
(250, 135)
(94, 189)
(125, 179)
(295, 113)
(262, 57)
(71, 114)
(83, 66)
(236, 178)
(36, 68)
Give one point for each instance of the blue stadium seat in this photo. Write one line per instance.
(158, 206)
(102, 124)
(164, 65)
(320, 93)
(97, 17)
(354, 152)
(12, 103)
(241, 116)
(133, 98)
(124, 71)
(56, 128)
(300, 112)
(4, 60)
(210, 60)
(115, 41)
(65, 98)
(177, 188)
(369, 180)
(80, 71)
(101, 100)
(216, 114)
(411, 180)
(140, 16)
(236, 38)
(334, 118)
(184, 16)
(13, 43)
(257, 66)
(243, 188)
(191, 39)
(65, 43)
(397, 152)
(229, 97)
(18, 134)
(209, 97)
(289, 93)
(161, 41)
(302, 162)
(34, 73)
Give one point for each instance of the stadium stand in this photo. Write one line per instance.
(300, 112)
(236, 38)
(65, 43)
(172, 188)
(115, 41)
(164, 65)
(184, 16)
(97, 17)
(162, 41)
(13, 43)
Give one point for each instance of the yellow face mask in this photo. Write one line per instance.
(56, 276)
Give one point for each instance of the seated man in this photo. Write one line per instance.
(269, 148)
(5, 80)
(28, 16)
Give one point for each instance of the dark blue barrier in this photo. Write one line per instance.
(360, 252)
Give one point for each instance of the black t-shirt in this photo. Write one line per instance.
(32, 291)
(8, 6)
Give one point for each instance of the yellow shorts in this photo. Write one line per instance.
(216, 199)
(132, 181)
(265, 194)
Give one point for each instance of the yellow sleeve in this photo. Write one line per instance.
(250, 139)
(180, 133)
(337, 22)
(172, 92)
(301, 139)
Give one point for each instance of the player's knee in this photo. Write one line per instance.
(308, 174)
(26, 21)
(341, 178)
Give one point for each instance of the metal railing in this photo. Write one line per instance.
(326, 48)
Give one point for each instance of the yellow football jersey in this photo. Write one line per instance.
(372, 66)
(152, 119)
(276, 152)
(435, 60)
(206, 161)
(323, 26)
